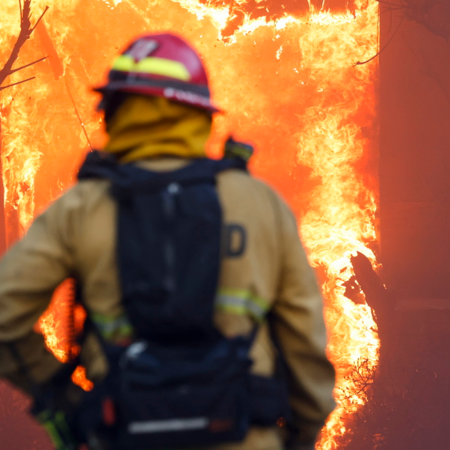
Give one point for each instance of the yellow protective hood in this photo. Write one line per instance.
(145, 127)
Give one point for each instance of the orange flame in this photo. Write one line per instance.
(79, 378)
(341, 216)
(289, 84)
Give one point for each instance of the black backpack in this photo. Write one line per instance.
(181, 383)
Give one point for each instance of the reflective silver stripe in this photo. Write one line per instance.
(160, 426)
(240, 305)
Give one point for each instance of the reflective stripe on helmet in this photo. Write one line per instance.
(161, 65)
(152, 66)
(242, 303)
(186, 96)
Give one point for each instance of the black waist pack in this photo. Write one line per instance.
(181, 383)
(179, 402)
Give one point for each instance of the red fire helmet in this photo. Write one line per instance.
(163, 65)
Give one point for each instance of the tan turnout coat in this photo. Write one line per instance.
(76, 236)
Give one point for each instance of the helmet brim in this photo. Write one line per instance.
(178, 93)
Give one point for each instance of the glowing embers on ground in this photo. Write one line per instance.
(289, 83)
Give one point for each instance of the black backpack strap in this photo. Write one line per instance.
(235, 149)
(169, 231)
(101, 165)
(98, 165)
(130, 179)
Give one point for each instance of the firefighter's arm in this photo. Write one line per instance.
(299, 327)
(29, 273)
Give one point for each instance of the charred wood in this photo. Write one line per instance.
(380, 300)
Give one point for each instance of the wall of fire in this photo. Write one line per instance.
(288, 78)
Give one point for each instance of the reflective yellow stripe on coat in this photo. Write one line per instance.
(242, 302)
(113, 328)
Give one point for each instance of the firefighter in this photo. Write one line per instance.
(158, 115)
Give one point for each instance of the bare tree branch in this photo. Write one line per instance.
(15, 84)
(28, 65)
(384, 48)
(40, 18)
(423, 12)
(395, 5)
(432, 14)
(77, 113)
(25, 32)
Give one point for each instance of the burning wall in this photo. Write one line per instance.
(290, 83)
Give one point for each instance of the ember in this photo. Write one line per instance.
(289, 81)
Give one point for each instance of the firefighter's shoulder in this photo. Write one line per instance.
(239, 190)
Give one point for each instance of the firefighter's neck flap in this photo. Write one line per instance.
(145, 127)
